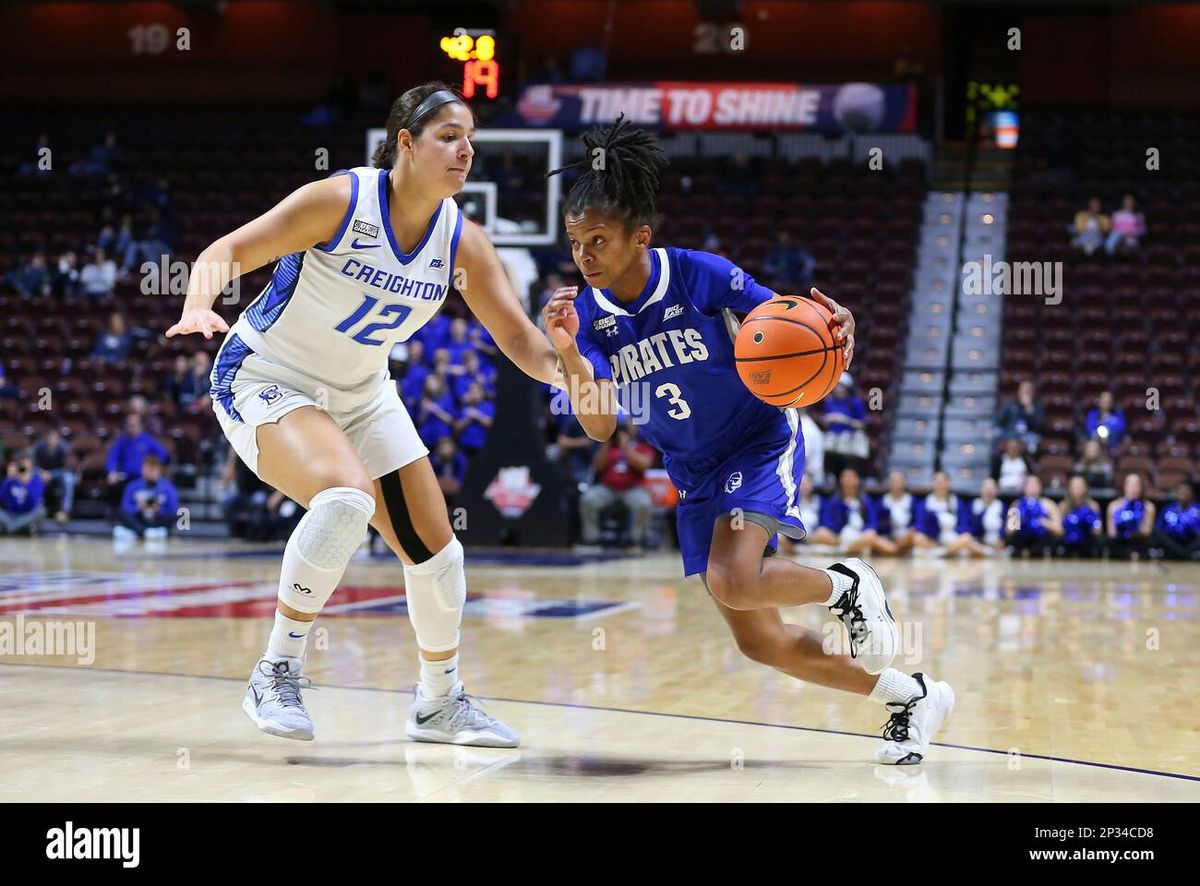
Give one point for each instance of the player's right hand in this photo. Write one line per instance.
(204, 321)
(560, 318)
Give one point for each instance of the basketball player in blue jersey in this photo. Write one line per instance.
(652, 331)
(301, 389)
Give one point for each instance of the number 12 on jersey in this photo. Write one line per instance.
(363, 336)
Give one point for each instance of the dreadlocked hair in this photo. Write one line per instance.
(621, 168)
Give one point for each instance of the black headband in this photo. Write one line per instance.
(436, 100)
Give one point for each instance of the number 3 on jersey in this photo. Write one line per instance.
(363, 336)
(672, 393)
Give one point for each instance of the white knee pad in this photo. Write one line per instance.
(436, 591)
(322, 544)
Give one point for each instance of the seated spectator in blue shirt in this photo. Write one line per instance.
(788, 265)
(436, 413)
(64, 276)
(896, 512)
(458, 344)
(1034, 523)
(472, 372)
(980, 524)
(849, 520)
(98, 276)
(100, 158)
(1082, 520)
(1130, 519)
(32, 279)
(574, 449)
(21, 495)
(1104, 423)
(113, 344)
(412, 382)
(1179, 526)
(936, 516)
(449, 466)
(149, 506)
(128, 451)
(475, 420)
(434, 334)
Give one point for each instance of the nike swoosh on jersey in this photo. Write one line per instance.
(358, 245)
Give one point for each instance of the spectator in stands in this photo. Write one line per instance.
(814, 446)
(1178, 532)
(435, 413)
(936, 516)
(896, 512)
(64, 279)
(195, 395)
(1090, 228)
(1082, 520)
(7, 389)
(449, 466)
(52, 456)
(573, 448)
(621, 465)
(174, 383)
(1013, 468)
(98, 276)
(434, 335)
(21, 494)
(151, 247)
(116, 242)
(412, 381)
(474, 420)
(127, 453)
(848, 520)
(788, 265)
(113, 344)
(1128, 227)
(845, 421)
(1034, 523)
(1130, 520)
(981, 524)
(100, 159)
(149, 505)
(32, 279)
(1021, 418)
(473, 371)
(809, 506)
(1105, 423)
(1094, 466)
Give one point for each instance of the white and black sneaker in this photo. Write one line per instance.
(913, 724)
(864, 611)
(273, 700)
(456, 718)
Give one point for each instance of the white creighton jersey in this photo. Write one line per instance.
(334, 311)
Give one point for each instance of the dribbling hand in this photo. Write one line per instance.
(203, 321)
(843, 323)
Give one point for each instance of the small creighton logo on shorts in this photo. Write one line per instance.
(369, 230)
(734, 481)
(271, 394)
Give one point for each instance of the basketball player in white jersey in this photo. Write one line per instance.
(301, 389)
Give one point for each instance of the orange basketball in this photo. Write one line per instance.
(786, 352)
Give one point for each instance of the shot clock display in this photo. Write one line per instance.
(476, 51)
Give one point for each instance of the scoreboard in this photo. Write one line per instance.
(472, 59)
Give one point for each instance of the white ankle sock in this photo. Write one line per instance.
(841, 584)
(438, 677)
(894, 686)
(282, 643)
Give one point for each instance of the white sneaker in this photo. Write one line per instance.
(273, 700)
(124, 534)
(864, 611)
(156, 532)
(914, 723)
(456, 718)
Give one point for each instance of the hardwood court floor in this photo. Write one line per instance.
(1075, 681)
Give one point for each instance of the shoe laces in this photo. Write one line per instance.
(468, 712)
(851, 614)
(284, 684)
(898, 724)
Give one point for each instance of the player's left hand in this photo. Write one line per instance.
(843, 323)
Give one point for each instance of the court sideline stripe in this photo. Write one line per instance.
(584, 707)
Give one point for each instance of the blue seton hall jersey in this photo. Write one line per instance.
(670, 354)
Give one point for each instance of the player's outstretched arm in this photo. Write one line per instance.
(309, 215)
(593, 399)
(479, 275)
